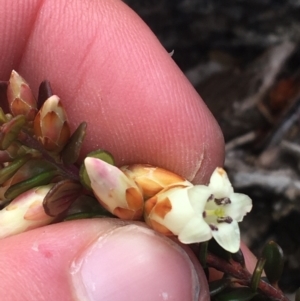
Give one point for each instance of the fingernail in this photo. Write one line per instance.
(134, 263)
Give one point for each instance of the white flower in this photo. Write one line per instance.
(198, 213)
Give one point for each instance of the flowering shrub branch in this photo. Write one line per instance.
(41, 182)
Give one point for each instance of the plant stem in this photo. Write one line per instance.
(236, 270)
(71, 172)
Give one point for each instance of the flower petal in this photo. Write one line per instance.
(240, 205)
(196, 230)
(227, 236)
(220, 183)
(198, 196)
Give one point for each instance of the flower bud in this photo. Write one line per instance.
(152, 179)
(177, 208)
(20, 98)
(25, 212)
(114, 190)
(51, 126)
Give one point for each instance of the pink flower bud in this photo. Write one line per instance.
(20, 98)
(114, 190)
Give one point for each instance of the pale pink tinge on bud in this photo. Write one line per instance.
(153, 179)
(114, 190)
(51, 126)
(20, 98)
(25, 212)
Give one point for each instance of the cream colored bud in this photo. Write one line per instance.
(51, 126)
(20, 98)
(153, 179)
(114, 190)
(25, 212)
(173, 209)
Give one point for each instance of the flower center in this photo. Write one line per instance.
(215, 212)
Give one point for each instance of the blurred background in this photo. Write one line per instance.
(243, 57)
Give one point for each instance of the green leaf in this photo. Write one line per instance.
(39, 180)
(202, 253)
(61, 196)
(2, 116)
(99, 154)
(10, 131)
(71, 151)
(84, 215)
(257, 273)
(8, 171)
(217, 286)
(236, 294)
(274, 261)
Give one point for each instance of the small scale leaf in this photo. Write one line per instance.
(2, 116)
(3, 96)
(45, 91)
(71, 151)
(100, 154)
(61, 196)
(10, 130)
(257, 273)
(83, 215)
(236, 294)
(8, 171)
(202, 253)
(39, 180)
(15, 150)
(217, 286)
(274, 261)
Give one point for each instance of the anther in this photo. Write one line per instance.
(223, 201)
(225, 219)
(213, 227)
(210, 198)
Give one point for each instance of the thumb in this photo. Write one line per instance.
(100, 259)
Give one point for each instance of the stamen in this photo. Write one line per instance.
(225, 219)
(223, 201)
(210, 198)
(204, 214)
(213, 227)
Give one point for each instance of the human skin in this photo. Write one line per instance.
(111, 71)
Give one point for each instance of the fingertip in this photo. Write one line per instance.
(99, 259)
(154, 269)
(111, 71)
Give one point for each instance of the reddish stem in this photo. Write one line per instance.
(70, 171)
(236, 270)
